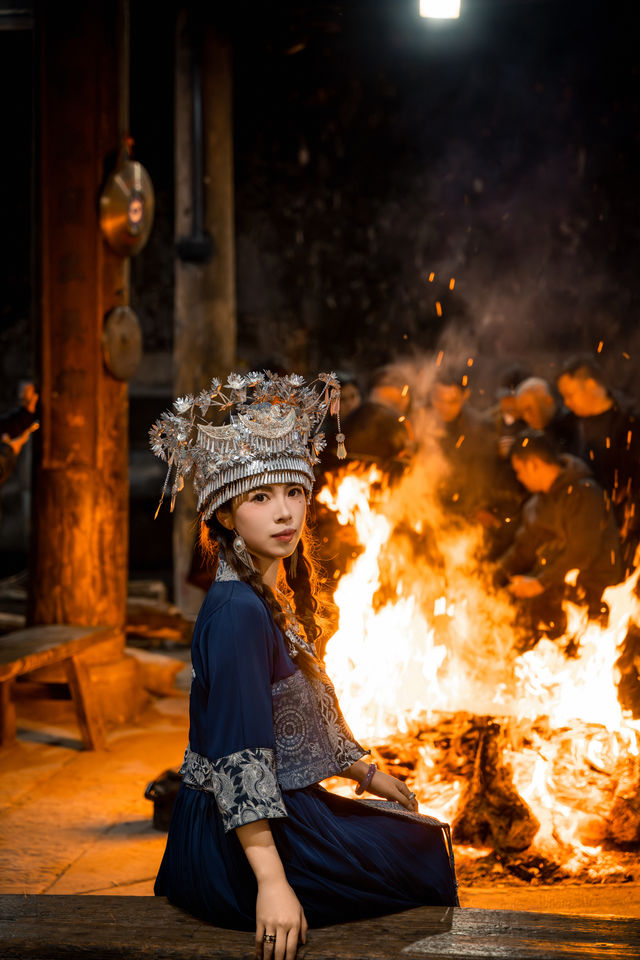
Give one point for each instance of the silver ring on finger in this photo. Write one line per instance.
(412, 796)
(269, 938)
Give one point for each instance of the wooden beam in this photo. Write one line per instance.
(79, 572)
(141, 928)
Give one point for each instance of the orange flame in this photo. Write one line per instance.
(422, 635)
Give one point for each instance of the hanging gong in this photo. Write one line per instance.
(122, 343)
(126, 208)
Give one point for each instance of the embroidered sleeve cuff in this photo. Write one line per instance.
(244, 784)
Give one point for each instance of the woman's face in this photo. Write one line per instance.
(270, 520)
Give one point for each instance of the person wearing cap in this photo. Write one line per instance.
(255, 842)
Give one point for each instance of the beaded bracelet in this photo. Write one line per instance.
(366, 781)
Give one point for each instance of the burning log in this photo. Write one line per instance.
(625, 812)
(533, 868)
(491, 811)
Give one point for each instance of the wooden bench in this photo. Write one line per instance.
(25, 650)
(140, 928)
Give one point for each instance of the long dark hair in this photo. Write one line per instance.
(301, 582)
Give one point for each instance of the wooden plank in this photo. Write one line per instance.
(139, 928)
(7, 715)
(89, 718)
(25, 650)
(531, 936)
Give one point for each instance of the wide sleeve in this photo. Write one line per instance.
(231, 751)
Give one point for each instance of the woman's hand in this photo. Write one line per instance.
(280, 915)
(384, 785)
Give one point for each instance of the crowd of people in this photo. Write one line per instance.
(551, 472)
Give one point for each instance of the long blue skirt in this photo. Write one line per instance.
(345, 859)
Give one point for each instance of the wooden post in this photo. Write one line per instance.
(205, 307)
(79, 572)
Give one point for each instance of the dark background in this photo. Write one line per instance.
(500, 149)
(373, 148)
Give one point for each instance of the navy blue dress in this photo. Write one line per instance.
(345, 859)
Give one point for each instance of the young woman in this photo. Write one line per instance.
(255, 842)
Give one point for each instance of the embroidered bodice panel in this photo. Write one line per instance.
(312, 738)
(312, 742)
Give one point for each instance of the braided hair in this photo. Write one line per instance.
(300, 581)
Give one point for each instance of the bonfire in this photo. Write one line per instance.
(529, 755)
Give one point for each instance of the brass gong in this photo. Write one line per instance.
(122, 343)
(126, 208)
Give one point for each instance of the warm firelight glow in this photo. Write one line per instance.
(422, 637)
(567, 689)
(393, 680)
(402, 658)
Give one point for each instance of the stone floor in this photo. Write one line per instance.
(77, 822)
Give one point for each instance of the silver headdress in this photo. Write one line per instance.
(273, 435)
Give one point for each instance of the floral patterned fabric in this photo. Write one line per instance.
(244, 784)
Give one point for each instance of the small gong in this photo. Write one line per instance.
(126, 208)
(122, 343)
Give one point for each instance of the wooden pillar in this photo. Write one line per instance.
(205, 306)
(80, 551)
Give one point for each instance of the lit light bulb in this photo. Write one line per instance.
(441, 9)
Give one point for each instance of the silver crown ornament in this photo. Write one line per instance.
(273, 435)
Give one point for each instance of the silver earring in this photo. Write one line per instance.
(241, 552)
